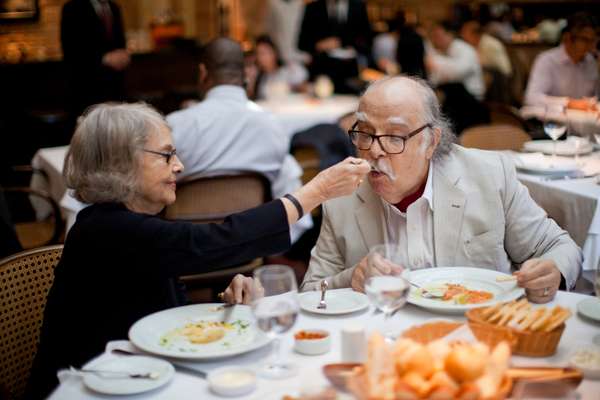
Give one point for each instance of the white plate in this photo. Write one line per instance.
(153, 333)
(472, 278)
(339, 301)
(563, 147)
(546, 166)
(590, 308)
(132, 364)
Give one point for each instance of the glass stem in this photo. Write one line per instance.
(386, 325)
(277, 359)
(553, 153)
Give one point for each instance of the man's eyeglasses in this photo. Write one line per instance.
(168, 155)
(391, 144)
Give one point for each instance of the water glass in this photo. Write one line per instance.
(555, 124)
(385, 284)
(275, 306)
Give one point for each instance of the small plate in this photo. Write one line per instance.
(590, 308)
(133, 364)
(339, 301)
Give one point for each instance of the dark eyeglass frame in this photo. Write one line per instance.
(354, 132)
(168, 155)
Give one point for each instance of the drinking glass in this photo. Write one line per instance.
(275, 306)
(385, 284)
(555, 124)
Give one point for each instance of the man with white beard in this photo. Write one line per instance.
(443, 204)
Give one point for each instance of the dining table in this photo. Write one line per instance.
(298, 112)
(310, 378)
(583, 122)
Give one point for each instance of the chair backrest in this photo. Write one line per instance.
(505, 114)
(494, 137)
(212, 196)
(25, 279)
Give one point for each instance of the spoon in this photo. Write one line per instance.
(322, 305)
(106, 373)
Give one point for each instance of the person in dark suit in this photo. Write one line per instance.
(331, 25)
(93, 44)
(120, 258)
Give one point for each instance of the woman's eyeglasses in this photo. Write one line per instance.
(168, 155)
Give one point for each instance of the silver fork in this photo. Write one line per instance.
(322, 305)
(105, 373)
(427, 294)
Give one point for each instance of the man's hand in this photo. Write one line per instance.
(357, 282)
(239, 290)
(116, 59)
(540, 278)
(364, 270)
(328, 44)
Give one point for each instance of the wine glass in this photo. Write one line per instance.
(555, 124)
(385, 284)
(275, 306)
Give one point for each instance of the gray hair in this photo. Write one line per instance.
(103, 160)
(432, 113)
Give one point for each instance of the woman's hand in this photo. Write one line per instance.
(239, 290)
(341, 179)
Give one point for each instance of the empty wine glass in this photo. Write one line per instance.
(275, 306)
(385, 283)
(555, 124)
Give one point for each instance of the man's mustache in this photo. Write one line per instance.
(383, 167)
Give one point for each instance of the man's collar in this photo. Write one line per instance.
(228, 92)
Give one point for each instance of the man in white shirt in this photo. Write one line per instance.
(567, 74)
(451, 60)
(490, 50)
(228, 131)
(445, 205)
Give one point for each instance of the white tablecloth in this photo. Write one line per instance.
(574, 204)
(299, 112)
(583, 122)
(578, 334)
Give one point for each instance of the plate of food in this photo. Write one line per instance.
(199, 331)
(457, 289)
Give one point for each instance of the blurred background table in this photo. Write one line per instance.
(299, 112)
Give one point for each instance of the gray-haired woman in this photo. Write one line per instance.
(119, 257)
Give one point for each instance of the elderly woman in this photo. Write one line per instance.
(120, 257)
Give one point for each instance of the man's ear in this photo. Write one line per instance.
(202, 73)
(435, 140)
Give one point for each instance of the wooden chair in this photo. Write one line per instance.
(33, 232)
(505, 114)
(25, 279)
(211, 197)
(494, 137)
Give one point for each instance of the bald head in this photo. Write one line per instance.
(223, 60)
(406, 100)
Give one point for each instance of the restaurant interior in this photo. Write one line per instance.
(310, 248)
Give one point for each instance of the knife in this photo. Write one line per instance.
(178, 367)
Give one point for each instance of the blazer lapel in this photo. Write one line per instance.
(449, 206)
(369, 216)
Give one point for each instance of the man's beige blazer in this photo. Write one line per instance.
(482, 217)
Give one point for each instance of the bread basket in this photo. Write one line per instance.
(485, 333)
(528, 343)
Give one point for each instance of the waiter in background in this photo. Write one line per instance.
(93, 44)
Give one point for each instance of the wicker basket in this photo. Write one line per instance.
(485, 333)
(528, 343)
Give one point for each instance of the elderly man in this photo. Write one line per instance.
(444, 204)
(567, 74)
